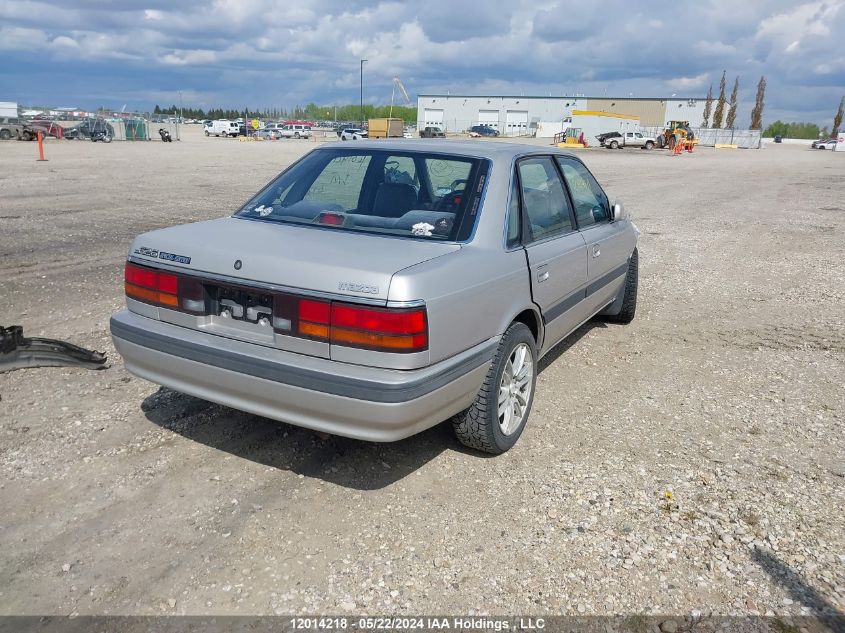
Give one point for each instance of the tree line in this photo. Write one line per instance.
(778, 128)
(312, 111)
(723, 104)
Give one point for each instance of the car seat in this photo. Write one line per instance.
(393, 199)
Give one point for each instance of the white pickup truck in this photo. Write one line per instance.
(615, 140)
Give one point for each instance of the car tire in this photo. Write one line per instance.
(207, 133)
(296, 135)
(627, 303)
(5, 135)
(27, 135)
(649, 145)
(480, 426)
(614, 145)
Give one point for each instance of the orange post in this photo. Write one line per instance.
(41, 147)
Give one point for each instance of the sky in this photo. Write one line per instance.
(280, 53)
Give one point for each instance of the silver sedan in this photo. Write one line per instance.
(374, 290)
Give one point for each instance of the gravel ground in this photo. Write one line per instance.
(690, 460)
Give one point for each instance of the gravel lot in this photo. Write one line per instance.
(691, 460)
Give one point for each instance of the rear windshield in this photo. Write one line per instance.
(409, 194)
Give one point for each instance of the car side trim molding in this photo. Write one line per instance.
(573, 299)
(359, 389)
(564, 306)
(605, 279)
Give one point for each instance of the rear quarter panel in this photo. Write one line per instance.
(471, 295)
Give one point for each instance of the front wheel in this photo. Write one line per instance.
(614, 145)
(625, 307)
(498, 416)
(7, 134)
(296, 135)
(649, 145)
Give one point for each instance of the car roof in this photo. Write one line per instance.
(497, 150)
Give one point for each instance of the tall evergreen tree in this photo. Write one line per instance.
(759, 104)
(719, 114)
(837, 120)
(708, 107)
(731, 118)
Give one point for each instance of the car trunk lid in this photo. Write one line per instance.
(310, 259)
(243, 262)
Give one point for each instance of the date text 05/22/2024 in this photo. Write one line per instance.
(423, 623)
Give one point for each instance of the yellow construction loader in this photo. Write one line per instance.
(675, 132)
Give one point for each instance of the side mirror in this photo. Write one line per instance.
(617, 211)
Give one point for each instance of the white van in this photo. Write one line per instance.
(222, 127)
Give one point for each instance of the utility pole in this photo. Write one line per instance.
(362, 93)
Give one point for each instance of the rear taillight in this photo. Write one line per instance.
(384, 329)
(380, 329)
(398, 330)
(151, 286)
(166, 290)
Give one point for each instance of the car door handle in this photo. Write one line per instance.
(542, 274)
(596, 250)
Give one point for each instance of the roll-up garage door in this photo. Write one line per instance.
(517, 122)
(433, 117)
(489, 118)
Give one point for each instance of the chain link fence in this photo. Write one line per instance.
(120, 126)
(745, 139)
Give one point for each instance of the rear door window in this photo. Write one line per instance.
(591, 203)
(544, 199)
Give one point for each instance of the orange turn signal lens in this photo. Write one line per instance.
(314, 330)
(416, 342)
(151, 296)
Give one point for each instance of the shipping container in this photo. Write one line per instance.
(386, 128)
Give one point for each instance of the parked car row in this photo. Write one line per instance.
(273, 131)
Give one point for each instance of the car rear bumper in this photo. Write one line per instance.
(367, 403)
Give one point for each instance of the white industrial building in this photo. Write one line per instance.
(544, 116)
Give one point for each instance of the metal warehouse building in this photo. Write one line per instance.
(520, 115)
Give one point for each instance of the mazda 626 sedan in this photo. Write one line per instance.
(375, 290)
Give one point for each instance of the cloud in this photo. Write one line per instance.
(269, 53)
(688, 83)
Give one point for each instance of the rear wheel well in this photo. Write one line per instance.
(529, 318)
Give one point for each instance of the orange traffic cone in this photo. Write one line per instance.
(690, 146)
(679, 147)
